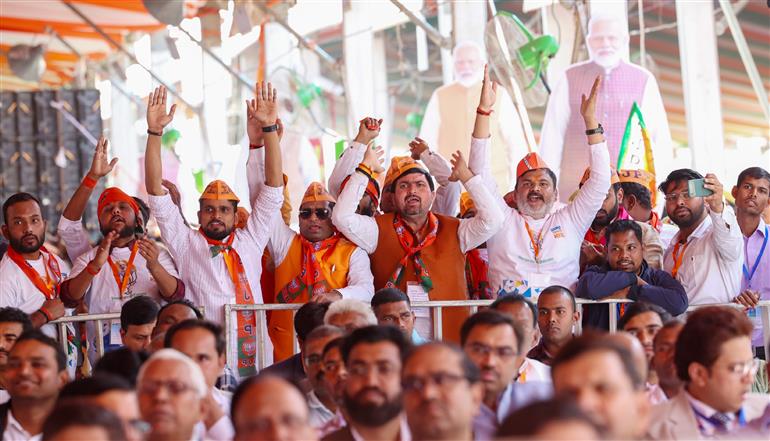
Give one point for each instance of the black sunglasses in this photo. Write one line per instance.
(320, 213)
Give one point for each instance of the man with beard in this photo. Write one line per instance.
(13, 322)
(413, 249)
(30, 275)
(638, 188)
(594, 247)
(538, 246)
(626, 275)
(218, 263)
(557, 315)
(625, 84)
(372, 393)
(494, 343)
(752, 196)
(707, 254)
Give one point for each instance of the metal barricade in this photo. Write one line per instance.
(437, 306)
(61, 327)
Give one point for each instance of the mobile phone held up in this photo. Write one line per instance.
(696, 189)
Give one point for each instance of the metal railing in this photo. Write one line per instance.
(763, 309)
(61, 327)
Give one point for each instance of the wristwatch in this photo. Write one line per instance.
(597, 131)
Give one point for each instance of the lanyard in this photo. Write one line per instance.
(678, 257)
(122, 284)
(535, 242)
(714, 422)
(749, 274)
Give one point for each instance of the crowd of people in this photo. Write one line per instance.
(372, 242)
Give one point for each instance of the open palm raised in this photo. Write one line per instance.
(157, 117)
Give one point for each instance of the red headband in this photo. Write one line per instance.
(114, 194)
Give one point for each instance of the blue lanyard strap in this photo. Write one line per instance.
(748, 275)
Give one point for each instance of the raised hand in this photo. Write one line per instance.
(157, 117)
(173, 191)
(99, 165)
(588, 105)
(149, 250)
(368, 129)
(460, 170)
(417, 147)
(103, 252)
(488, 92)
(266, 112)
(715, 201)
(253, 126)
(373, 158)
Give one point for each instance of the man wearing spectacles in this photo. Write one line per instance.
(319, 398)
(171, 389)
(707, 254)
(495, 343)
(372, 395)
(442, 392)
(713, 357)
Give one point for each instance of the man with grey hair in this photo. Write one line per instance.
(349, 314)
(623, 84)
(171, 389)
(449, 117)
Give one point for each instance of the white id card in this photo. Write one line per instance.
(422, 321)
(537, 282)
(115, 338)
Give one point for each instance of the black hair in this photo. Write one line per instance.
(513, 299)
(389, 295)
(10, 314)
(308, 317)
(553, 289)
(213, 328)
(374, 334)
(15, 199)
(184, 302)
(419, 170)
(336, 343)
(470, 370)
(122, 362)
(682, 174)
(595, 341)
(490, 317)
(143, 208)
(548, 171)
(248, 383)
(98, 384)
(753, 172)
(527, 421)
(38, 336)
(78, 413)
(640, 192)
(640, 307)
(621, 226)
(141, 310)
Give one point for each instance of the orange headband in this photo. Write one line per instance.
(114, 194)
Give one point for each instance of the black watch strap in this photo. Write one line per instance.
(273, 128)
(597, 131)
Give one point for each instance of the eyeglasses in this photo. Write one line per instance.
(675, 196)
(320, 213)
(747, 368)
(382, 369)
(442, 380)
(174, 387)
(482, 350)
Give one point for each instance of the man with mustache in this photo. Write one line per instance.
(13, 322)
(752, 196)
(219, 263)
(321, 400)
(561, 143)
(494, 343)
(372, 394)
(538, 246)
(557, 316)
(414, 249)
(625, 274)
(706, 255)
(30, 275)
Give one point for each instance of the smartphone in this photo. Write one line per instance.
(696, 189)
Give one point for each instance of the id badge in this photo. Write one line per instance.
(422, 321)
(115, 338)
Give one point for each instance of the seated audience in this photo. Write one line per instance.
(643, 320)
(349, 314)
(392, 306)
(13, 322)
(626, 275)
(442, 392)
(76, 421)
(138, 318)
(122, 362)
(713, 358)
(270, 408)
(663, 359)
(557, 315)
(554, 419)
(334, 377)
(170, 314)
(321, 400)
(524, 313)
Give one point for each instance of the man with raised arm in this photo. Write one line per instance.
(220, 264)
(414, 249)
(538, 246)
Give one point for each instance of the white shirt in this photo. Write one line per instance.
(512, 264)
(712, 263)
(207, 280)
(319, 414)
(223, 429)
(404, 433)
(533, 370)
(364, 232)
(14, 431)
(74, 236)
(558, 111)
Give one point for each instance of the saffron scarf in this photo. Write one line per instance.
(412, 249)
(246, 320)
(50, 286)
(310, 277)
